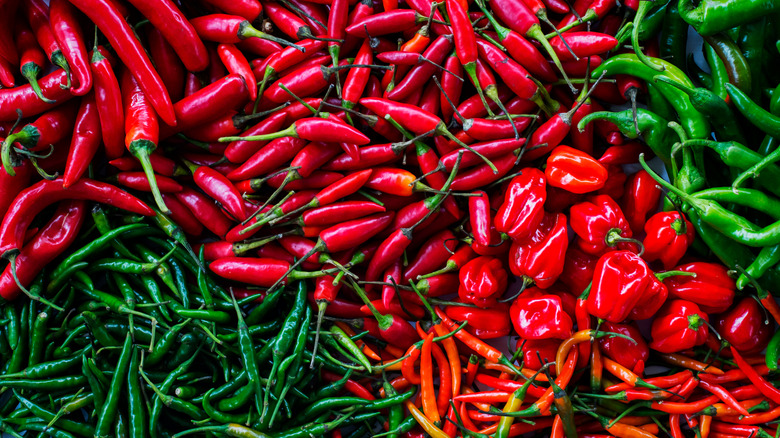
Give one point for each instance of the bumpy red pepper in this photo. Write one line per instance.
(578, 269)
(679, 325)
(574, 170)
(600, 225)
(540, 257)
(482, 281)
(668, 237)
(744, 326)
(620, 280)
(711, 288)
(522, 210)
(652, 299)
(536, 315)
(621, 350)
(546, 349)
(641, 199)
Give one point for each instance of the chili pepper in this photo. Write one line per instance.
(85, 141)
(312, 129)
(536, 316)
(32, 58)
(574, 171)
(680, 325)
(600, 225)
(766, 389)
(624, 351)
(231, 29)
(540, 257)
(744, 326)
(208, 214)
(109, 20)
(170, 67)
(620, 279)
(482, 281)
(522, 210)
(431, 255)
(69, 37)
(478, 346)
(708, 18)
(422, 71)
(108, 98)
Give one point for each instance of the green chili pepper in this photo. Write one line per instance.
(68, 425)
(653, 129)
(758, 116)
(103, 226)
(108, 412)
(773, 352)
(768, 257)
(756, 199)
(165, 386)
(674, 34)
(247, 349)
(712, 16)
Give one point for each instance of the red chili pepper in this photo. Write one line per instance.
(290, 24)
(139, 181)
(679, 325)
(744, 326)
(37, 13)
(46, 130)
(249, 9)
(183, 216)
(32, 58)
(479, 216)
(621, 350)
(108, 99)
(85, 141)
(766, 388)
(231, 29)
(208, 214)
(620, 279)
(487, 323)
(641, 198)
(426, 66)
(67, 32)
(711, 288)
(269, 157)
(668, 237)
(578, 269)
(357, 78)
(313, 129)
(523, 207)
(431, 255)
(582, 45)
(37, 197)
(236, 63)
(537, 316)
(540, 256)
(48, 243)
(169, 66)
(574, 170)
(600, 225)
(385, 23)
(513, 74)
(109, 20)
(523, 52)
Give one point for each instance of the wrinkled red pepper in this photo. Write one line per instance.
(679, 325)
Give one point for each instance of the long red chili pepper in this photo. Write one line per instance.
(85, 141)
(110, 21)
(67, 32)
(32, 59)
(231, 29)
(108, 99)
(236, 63)
(169, 66)
(37, 12)
(34, 199)
(766, 388)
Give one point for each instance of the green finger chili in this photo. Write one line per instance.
(108, 412)
(711, 16)
(758, 116)
(773, 352)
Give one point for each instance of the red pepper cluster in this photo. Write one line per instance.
(392, 155)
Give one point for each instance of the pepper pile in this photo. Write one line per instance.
(397, 183)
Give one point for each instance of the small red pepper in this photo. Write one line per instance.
(668, 237)
(523, 207)
(620, 280)
(574, 170)
(540, 257)
(712, 289)
(641, 198)
(621, 350)
(679, 326)
(600, 225)
(536, 315)
(482, 281)
(744, 326)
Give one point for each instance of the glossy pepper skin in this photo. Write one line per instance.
(641, 198)
(619, 282)
(599, 223)
(621, 350)
(536, 315)
(679, 326)
(482, 281)
(546, 349)
(574, 171)
(540, 256)
(489, 323)
(578, 269)
(743, 326)
(522, 210)
(652, 299)
(668, 236)
(711, 289)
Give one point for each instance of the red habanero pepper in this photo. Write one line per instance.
(108, 98)
(620, 279)
(482, 281)
(122, 38)
(489, 323)
(615, 185)
(249, 9)
(523, 207)
(536, 316)
(679, 325)
(744, 326)
(203, 208)
(578, 269)
(621, 350)
(165, 16)
(37, 197)
(169, 66)
(51, 241)
(540, 257)
(142, 130)
(230, 29)
(711, 288)
(574, 171)
(600, 225)
(641, 198)
(32, 59)
(219, 97)
(85, 141)
(67, 32)
(547, 349)
(668, 236)
(236, 63)
(652, 299)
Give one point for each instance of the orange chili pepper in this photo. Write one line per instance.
(596, 367)
(704, 426)
(557, 428)
(621, 430)
(687, 362)
(471, 370)
(620, 371)
(427, 390)
(407, 366)
(452, 356)
(368, 351)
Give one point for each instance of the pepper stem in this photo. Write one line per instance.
(644, 7)
(471, 70)
(247, 31)
(141, 149)
(30, 71)
(442, 129)
(535, 32)
(289, 132)
(384, 321)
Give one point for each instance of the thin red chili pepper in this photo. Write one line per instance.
(85, 141)
(207, 213)
(46, 130)
(48, 243)
(766, 388)
(422, 71)
(32, 58)
(34, 199)
(37, 12)
(313, 129)
(177, 30)
(139, 181)
(236, 63)
(169, 66)
(108, 99)
(239, 151)
(67, 32)
(119, 33)
(231, 29)
(249, 9)
(724, 395)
